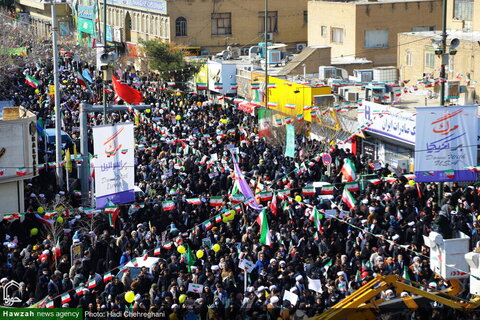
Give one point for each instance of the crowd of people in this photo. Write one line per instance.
(380, 235)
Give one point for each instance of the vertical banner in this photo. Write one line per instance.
(290, 148)
(114, 163)
(446, 143)
(264, 124)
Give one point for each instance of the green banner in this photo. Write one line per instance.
(86, 26)
(290, 148)
(43, 314)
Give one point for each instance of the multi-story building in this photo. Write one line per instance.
(417, 58)
(368, 29)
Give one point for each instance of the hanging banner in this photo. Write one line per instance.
(114, 165)
(290, 148)
(446, 143)
(85, 26)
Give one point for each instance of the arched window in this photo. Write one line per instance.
(181, 27)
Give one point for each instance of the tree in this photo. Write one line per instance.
(169, 61)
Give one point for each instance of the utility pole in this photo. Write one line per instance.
(266, 53)
(56, 83)
(445, 55)
(105, 72)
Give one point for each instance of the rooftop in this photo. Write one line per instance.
(472, 36)
(370, 2)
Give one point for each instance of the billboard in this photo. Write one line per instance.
(446, 143)
(114, 163)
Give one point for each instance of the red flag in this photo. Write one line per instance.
(127, 93)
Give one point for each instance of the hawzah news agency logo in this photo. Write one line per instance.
(7, 300)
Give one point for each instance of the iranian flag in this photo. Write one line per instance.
(194, 201)
(317, 217)
(49, 214)
(216, 201)
(237, 100)
(263, 124)
(77, 192)
(49, 304)
(376, 181)
(218, 86)
(348, 198)
(389, 179)
(300, 117)
(266, 195)
(107, 276)
(201, 86)
(288, 120)
(265, 236)
(31, 81)
(168, 205)
(450, 174)
(156, 252)
(81, 80)
(134, 262)
(237, 198)
(112, 213)
(348, 170)
(51, 164)
(279, 122)
(272, 104)
(308, 191)
(313, 114)
(327, 189)
(234, 86)
(21, 171)
(255, 86)
(352, 186)
(92, 284)
(218, 218)
(208, 225)
(79, 291)
(283, 194)
(168, 245)
(271, 85)
(305, 108)
(66, 297)
(290, 106)
(273, 205)
(170, 83)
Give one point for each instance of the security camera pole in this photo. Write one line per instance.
(105, 72)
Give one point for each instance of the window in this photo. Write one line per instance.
(272, 21)
(463, 9)
(408, 58)
(221, 24)
(376, 38)
(181, 27)
(305, 18)
(324, 31)
(337, 35)
(429, 59)
(423, 28)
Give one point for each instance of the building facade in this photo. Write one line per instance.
(368, 29)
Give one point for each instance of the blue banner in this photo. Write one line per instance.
(290, 148)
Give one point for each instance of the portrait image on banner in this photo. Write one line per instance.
(446, 143)
(114, 163)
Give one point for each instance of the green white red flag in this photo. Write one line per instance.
(348, 170)
(348, 198)
(265, 235)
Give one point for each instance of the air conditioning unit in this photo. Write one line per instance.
(352, 96)
(274, 56)
(244, 51)
(300, 46)
(343, 92)
(327, 73)
(270, 36)
(467, 26)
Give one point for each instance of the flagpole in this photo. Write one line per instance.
(58, 133)
(245, 279)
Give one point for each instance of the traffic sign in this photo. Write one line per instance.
(326, 158)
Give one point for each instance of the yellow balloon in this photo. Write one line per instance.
(181, 249)
(129, 296)
(199, 254)
(182, 298)
(60, 220)
(216, 247)
(178, 117)
(411, 182)
(233, 212)
(298, 198)
(40, 210)
(225, 219)
(33, 232)
(147, 111)
(37, 91)
(231, 217)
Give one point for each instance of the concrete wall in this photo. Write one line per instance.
(357, 18)
(11, 197)
(456, 24)
(245, 22)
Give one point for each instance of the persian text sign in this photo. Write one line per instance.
(446, 143)
(114, 164)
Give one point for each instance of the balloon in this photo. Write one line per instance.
(233, 212)
(37, 91)
(129, 296)
(147, 111)
(33, 232)
(230, 217)
(182, 298)
(60, 220)
(40, 210)
(411, 182)
(298, 198)
(216, 247)
(178, 117)
(199, 103)
(225, 219)
(199, 254)
(181, 249)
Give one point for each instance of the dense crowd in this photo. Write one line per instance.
(381, 235)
